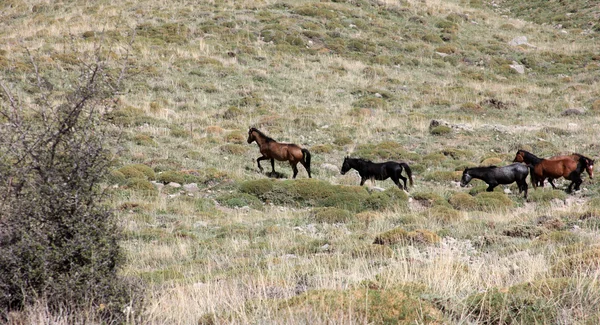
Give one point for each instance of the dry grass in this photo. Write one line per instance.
(206, 262)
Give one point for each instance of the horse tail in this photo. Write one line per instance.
(532, 176)
(306, 158)
(408, 172)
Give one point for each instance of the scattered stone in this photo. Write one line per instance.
(507, 191)
(191, 188)
(519, 68)
(174, 185)
(571, 111)
(519, 40)
(377, 189)
(159, 186)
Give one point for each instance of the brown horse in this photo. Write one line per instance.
(271, 149)
(570, 167)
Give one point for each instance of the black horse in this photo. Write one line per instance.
(495, 176)
(379, 171)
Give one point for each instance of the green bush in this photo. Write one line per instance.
(238, 200)
(131, 172)
(331, 215)
(171, 177)
(142, 185)
(257, 187)
(537, 302)
(463, 201)
(440, 130)
(493, 201)
(144, 140)
(145, 169)
(116, 177)
(399, 235)
(318, 193)
(443, 214)
(428, 199)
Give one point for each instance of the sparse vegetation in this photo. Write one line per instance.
(431, 83)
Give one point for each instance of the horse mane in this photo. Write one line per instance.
(362, 160)
(582, 156)
(266, 137)
(481, 167)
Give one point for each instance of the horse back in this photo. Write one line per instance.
(556, 167)
(283, 151)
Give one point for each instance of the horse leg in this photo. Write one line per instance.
(491, 187)
(397, 182)
(295, 169)
(404, 181)
(273, 165)
(551, 181)
(362, 181)
(258, 162)
(523, 187)
(576, 180)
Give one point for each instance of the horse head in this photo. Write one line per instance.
(520, 156)
(251, 136)
(345, 166)
(466, 178)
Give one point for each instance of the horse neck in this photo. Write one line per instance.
(531, 158)
(478, 172)
(355, 163)
(260, 139)
(582, 164)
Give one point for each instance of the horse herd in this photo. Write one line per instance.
(525, 163)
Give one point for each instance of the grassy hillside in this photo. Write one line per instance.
(356, 77)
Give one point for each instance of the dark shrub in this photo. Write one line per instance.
(58, 240)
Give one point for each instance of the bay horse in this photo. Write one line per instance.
(570, 167)
(495, 176)
(379, 171)
(271, 149)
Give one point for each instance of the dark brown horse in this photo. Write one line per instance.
(271, 149)
(570, 167)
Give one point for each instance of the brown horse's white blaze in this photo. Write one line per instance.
(273, 150)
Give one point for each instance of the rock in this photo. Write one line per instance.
(571, 111)
(201, 224)
(174, 185)
(330, 167)
(519, 40)
(159, 186)
(519, 68)
(191, 188)
(507, 191)
(377, 189)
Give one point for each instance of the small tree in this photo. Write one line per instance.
(58, 241)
